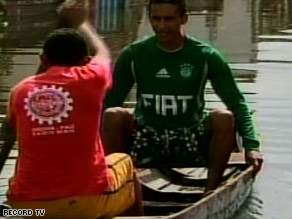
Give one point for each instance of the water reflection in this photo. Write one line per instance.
(215, 22)
(118, 21)
(233, 34)
(110, 14)
(20, 39)
(233, 26)
(272, 15)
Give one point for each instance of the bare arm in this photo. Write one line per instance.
(96, 45)
(74, 14)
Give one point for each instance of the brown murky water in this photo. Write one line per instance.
(255, 36)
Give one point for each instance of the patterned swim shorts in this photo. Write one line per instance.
(177, 147)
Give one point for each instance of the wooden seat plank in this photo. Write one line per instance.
(165, 204)
(183, 189)
(196, 173)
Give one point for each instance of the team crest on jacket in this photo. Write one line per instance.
(48, 104)
(186, 70)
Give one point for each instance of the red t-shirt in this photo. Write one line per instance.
(56, 115)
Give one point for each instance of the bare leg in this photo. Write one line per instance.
(222, 125)
(117, 127)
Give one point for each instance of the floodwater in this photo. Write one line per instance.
(254, 35)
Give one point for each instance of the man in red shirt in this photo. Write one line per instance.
(55, 117)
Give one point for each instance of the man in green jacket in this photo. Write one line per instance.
(170, 123)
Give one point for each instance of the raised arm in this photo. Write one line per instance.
(75, 14)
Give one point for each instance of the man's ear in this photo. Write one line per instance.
(44, 64)
(185, 19)
(85, 60)
(44, 60)
(42, 57)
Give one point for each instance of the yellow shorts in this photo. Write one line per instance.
(119, 197)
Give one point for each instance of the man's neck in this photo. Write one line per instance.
(173, 45)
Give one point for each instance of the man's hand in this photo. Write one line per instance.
(73, 13)
(254, 158)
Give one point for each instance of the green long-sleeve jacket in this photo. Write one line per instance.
(170, 86)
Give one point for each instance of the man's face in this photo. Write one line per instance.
(166, 21)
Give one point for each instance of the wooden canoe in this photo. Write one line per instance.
(177, 193)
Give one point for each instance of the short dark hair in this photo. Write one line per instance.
(65, 46)
(180, 3)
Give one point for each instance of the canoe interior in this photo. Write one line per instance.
(168, 192)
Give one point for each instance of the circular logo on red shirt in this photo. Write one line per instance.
(48, 104)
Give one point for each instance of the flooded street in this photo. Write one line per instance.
(254, 35)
